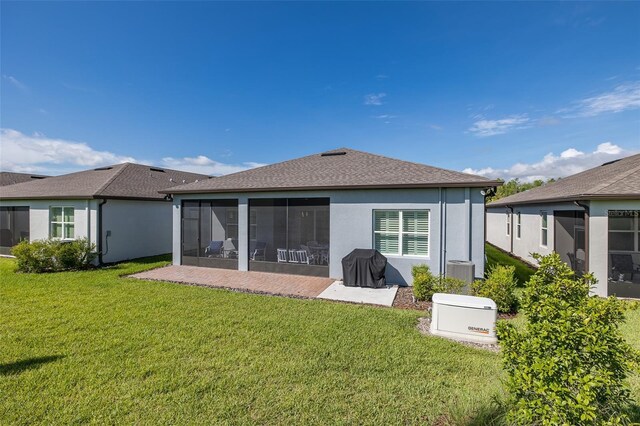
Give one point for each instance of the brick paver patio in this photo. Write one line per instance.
(262, 282)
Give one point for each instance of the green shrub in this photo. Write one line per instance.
(425, 284)
(53, 255)
(569, 363)
(499, 286)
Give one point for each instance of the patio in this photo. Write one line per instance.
(269, 283)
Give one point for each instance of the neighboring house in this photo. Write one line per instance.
(11, 178)
(117, 207)
(303, 216)
(591, 219)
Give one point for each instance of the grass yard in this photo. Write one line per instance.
(82, 347)
(94, 347)
(496, 256)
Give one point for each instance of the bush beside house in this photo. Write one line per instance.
(499, 286)
(53, 255)
(569, 363)
(426, 284)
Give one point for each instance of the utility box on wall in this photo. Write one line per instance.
(464, 318)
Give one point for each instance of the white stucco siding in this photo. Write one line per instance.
(530, 240)
(138, 229)
(351, 224)
(39, 216)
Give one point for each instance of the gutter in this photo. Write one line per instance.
(99, 236)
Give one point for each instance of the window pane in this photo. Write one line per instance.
(387, 221)
(387, 243)
(68, 214)
(621, 223)
(415, 245)
(68, 231)
(56, 214)
(544, 237)
(415, 221)
(621, 241)
(544, 220)
(56, 230)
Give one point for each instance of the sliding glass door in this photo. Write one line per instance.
(210, 233)
(14, 227)
(624, 253)
(289, 235)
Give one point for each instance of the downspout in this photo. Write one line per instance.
(587, 214)
(443, 253)
(99, 236)
(89, 221)
(511, 230)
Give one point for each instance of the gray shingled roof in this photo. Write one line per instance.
(338, 169)
(11, 178)
(618, 179)
(126, 180)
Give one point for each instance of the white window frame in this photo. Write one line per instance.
(62, 222)
(544, 228)
(401, 233)
(518, 225)
(635, 232)
(508, 224)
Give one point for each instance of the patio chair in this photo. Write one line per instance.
(257, 250)
(303, 257)
(293, 256)
(229, 249)
(282, 255)
(311, 257)
(214, 249)
(622, 265)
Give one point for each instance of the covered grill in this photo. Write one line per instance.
(364, 268)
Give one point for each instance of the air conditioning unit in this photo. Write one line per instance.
(465, 318)
(462, 269)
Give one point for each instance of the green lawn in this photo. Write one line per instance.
(82, 347)
(498, 257)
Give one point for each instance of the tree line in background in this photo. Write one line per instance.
(514, 186)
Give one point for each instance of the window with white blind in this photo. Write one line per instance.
(518, 225)
(544, 228)
(62, 223)
(508, 224)
(401, 232)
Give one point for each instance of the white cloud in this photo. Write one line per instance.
(39, 153)
(483, 127)
(205, 165)
(623, 97)
(569, 162)
(374, 98)
(15, 82)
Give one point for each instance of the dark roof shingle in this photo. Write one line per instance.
(615, 179)
(338, 169)
(11, 178)
(126, 180)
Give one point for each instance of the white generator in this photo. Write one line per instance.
(464, 318)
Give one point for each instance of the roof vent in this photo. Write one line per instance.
(333, 153)
(611, 162)
(103, 168)
(155, 169)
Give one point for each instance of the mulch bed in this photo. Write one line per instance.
(404, 300)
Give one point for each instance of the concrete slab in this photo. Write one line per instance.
(373, 296)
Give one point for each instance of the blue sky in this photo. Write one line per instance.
(521, 89)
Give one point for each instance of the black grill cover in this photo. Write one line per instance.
(364, 268)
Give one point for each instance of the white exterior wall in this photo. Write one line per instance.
(84, 216)
(459, 237)
(138, 229)
(530, 240)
